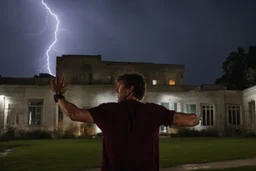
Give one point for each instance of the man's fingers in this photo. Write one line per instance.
(57, 84)
(60, 79)
(53, 82)
(65, 88)
(53, 85)
(57, 79)
(63, 80)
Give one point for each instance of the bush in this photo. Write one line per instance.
(250, 134)
(36, 134)
(10, 134)
(14, 133)
(194, 133)
(70, 132)
(233, 132)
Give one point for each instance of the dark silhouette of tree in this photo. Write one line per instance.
(43, 75)
(239, 69)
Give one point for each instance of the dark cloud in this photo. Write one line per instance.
(199, 34)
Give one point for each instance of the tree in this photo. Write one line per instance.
(239, 69)
(43, 75)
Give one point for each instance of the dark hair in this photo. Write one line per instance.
(136, 80)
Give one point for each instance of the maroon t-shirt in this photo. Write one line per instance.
(130, 134)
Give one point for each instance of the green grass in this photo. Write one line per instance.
(201, 150)
(74, 155)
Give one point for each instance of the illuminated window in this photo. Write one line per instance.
(171, 82)
(35, 111)
(154, 82)
(191, 108)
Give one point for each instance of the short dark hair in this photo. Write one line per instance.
(136, 80)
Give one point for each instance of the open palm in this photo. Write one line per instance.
(58, 86)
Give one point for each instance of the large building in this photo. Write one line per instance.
(27, 103)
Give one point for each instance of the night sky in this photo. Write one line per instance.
(197, 33)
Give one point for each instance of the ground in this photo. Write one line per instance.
(82, 154)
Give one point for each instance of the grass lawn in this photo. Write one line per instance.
(74, 155)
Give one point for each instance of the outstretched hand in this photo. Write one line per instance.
(58, 86)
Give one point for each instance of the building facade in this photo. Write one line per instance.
(27, 103)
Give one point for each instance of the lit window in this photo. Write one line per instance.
(35, 111)
(191, 108)
(171, 82)
(154, 82)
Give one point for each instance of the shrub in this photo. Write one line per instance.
(9, 134)
(250, 134)
(35, 134)
(185, 132)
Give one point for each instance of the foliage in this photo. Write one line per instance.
(186, 132)
(35, 134)
(250, 134)
(43, 75)
(239, 69)
(9, 134)
(69, 132)
(13, 133)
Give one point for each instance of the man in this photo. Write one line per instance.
(130, 128)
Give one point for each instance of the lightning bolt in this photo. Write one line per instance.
(51, 46)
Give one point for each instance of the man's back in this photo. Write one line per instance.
(131, 133)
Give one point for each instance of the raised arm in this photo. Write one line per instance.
(186, 120)
(71, 110)
(75, 113)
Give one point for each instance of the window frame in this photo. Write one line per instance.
(212, 120)
(36, 107)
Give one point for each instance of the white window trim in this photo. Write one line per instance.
(214, 114)
(227, 114)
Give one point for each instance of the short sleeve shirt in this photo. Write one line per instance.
(130, 134)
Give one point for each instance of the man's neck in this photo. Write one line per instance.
(133, 98)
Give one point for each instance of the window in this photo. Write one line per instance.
(175, 106)
(191, 108)
(35, 111)
(208, 113)
(181, 75)
(60, 114)
(171, 82)
(162, 127)
(154, 82)
(17, 120)
(165, 105)
(90, 78)
(251, 105)
(234, 114)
